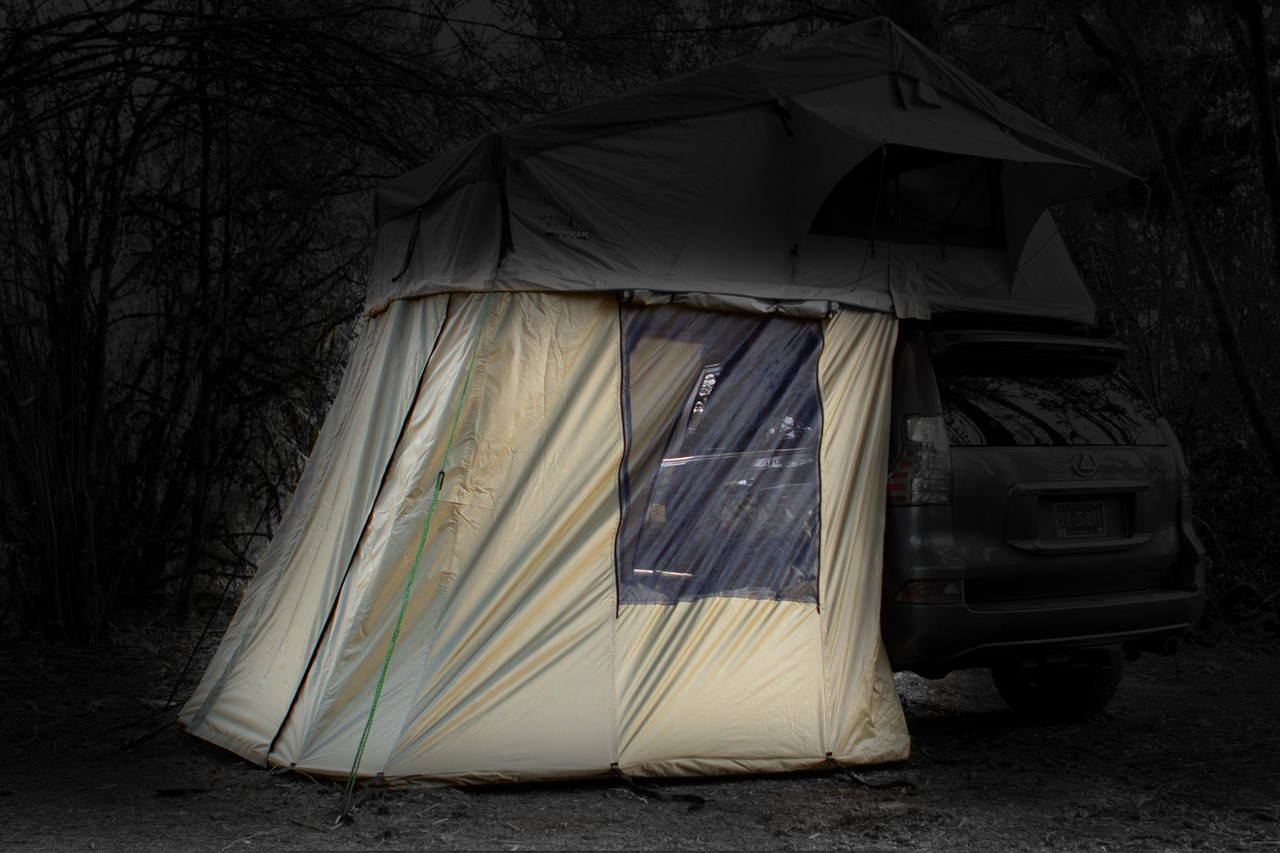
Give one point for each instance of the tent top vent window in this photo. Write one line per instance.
(913, 195)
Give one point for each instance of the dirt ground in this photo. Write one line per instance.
(1186, 758)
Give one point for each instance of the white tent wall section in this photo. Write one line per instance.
(864, 720)
(514, 660)
(251, 681)
(350, 655)
(736, 685)
(502, 667)
(719, 685)
(517, 682)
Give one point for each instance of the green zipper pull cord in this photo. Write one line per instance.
(345, 815)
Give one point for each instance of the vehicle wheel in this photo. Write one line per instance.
(1053, 692)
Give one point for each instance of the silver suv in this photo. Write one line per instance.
(1039, 518)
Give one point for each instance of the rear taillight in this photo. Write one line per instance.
(1185, 516)
(922, 472)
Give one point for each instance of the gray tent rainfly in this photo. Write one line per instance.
(721, 182)
(604, 483)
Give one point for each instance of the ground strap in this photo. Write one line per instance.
(864, 782)
(695, 802)
(413, 573)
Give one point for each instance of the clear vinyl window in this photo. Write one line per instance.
(720, 480)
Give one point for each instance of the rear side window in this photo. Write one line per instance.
(1023, 398)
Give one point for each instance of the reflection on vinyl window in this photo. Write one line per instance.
(720, 483)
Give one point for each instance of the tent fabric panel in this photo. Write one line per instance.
(248, 686)
(907, 268)
(516, 679)
(698, 766)
(707, 182)
(478, 160)
(329, 715)
(875, 50)
(821, 154)
(916, 280)
(847, 272)
(868, 110)
(724, 682)
(511, 664)
(1045, 285)
(746, 228)
(1024, 202)
(814, 310)
(513, 552)
(619, 204)
(864, 721)
(453, 244)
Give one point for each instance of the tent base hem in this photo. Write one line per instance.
(674, 768)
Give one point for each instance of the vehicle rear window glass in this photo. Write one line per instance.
(1019, 398)
(720, 482)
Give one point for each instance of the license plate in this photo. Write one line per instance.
(1079, 518)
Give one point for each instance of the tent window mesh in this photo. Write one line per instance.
(912, 195)
(720, 482)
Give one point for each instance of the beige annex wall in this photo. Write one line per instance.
(513, 660)
(252, 679)
(502, 668)
(864, 719)
(729, 685)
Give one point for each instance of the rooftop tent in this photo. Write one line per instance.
(713, 183)
(603, 485)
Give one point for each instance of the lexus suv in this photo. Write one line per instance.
(1039, 517)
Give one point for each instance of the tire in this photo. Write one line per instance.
(1049, 692)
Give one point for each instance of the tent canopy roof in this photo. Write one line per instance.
(733, 182)
(873, 50)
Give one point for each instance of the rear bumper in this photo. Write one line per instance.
(936, 638)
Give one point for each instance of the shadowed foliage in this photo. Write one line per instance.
(184, 224)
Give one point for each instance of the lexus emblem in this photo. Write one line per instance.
(1084, 464)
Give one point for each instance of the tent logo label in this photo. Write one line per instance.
(552, 228)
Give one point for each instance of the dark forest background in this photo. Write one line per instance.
(185, 218)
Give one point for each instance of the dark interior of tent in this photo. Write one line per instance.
(906, 194)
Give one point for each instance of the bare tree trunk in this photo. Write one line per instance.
(1249, 39)
(918, 17)
(1128, 65)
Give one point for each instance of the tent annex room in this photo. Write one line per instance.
(603, 486)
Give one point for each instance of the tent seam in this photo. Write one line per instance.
(448, 572)
(333, 605)
(439, 487)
